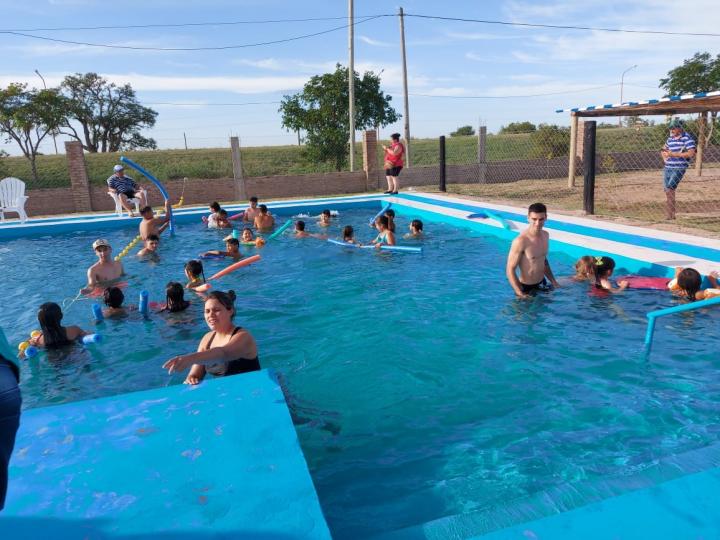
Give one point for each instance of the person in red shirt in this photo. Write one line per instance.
(393, 163)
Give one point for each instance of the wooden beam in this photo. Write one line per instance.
(572, 158)
(700, 151)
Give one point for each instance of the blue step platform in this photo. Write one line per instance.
(219, 460)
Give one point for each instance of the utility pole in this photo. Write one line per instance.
(185, 137)
(351, 81)
(53, 131)
(622, 82)
(406, 101)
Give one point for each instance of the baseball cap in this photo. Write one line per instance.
(100, 242)
(675, 123)
(117, 168)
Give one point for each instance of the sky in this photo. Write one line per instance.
(459, 73)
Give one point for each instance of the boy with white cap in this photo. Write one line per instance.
(106, 269)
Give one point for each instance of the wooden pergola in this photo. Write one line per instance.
(702, 103)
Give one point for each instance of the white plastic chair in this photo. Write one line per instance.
(118, 204)
(13, 198)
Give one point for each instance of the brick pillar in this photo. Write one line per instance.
(370, 162)
(78, 176)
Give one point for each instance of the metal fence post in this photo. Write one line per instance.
(442, 164)
(589, 167)
(482, 154)
(240, 193)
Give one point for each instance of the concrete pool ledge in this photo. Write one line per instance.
(641, 249)
(218, 460)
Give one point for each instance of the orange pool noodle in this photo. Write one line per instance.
(235, 266)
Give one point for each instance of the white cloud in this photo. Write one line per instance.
(375, 42)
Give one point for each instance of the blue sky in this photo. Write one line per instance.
(444, 58)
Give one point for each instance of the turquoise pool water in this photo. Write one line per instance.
(420, 387)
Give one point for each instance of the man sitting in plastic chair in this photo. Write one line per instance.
(124, 188)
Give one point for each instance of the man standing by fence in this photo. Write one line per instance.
(679, 149)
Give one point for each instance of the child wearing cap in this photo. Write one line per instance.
(105, 270)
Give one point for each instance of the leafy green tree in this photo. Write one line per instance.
(320, 111)
(28, 116)
(110, 117)
(550, 141)
(518, 127)
(701, 73)
(463, 131)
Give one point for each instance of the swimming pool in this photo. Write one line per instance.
(421, 388)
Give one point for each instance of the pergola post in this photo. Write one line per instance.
(573, 149)
(702, 126)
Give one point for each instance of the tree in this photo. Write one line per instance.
(463, 131)
(28, 116)
(321, 112)
(550, 141)
(518, 127)
(701, 73)
(110, 116)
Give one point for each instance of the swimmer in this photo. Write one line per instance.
(264, 221)
(529, 252)
(416, 229)
(114, 298)
(385, 236)
(689, 284)
(604, 267)
(195, 273)
(349, 235)
(232, 249)
(226, 350)
(324, 219)
(247, 235)
(106, 270)
(251, 212)
(154, 225)
(390, 213)
(300, 231)
(214, 209)
(175, 298)
(150, 251)
(585, 268)
(52, 334)
(221, 221)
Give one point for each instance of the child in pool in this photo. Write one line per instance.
(232, 249)
(390, 213)
(603, 268)
(385, 236)
(585, 268)
(114, 298)
(175, 298)
(324, 219)
(52, 334)
(349, 235)
(247, 235)
(214, 209)
(221, 220)
(688, 283)
(300, 231)
(416, 229)
(195, 274)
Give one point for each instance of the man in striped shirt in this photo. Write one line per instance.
(126, 188)
(679, 149)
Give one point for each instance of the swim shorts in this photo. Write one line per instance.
(393, 171)
(542, 286)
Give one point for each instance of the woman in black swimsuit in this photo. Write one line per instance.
(226, 350)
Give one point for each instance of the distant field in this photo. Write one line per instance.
(208, 163)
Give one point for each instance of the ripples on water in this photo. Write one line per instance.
(420, 386)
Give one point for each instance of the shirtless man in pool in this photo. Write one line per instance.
(529, 251)
(105, 270)
(151, 224)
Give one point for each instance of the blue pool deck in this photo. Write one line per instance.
(222, 460)
(217, 460)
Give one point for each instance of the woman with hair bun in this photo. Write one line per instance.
(225, 350)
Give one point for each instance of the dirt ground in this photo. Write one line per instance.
(635, 198)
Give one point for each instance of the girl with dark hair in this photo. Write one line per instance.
(604, 267)
(10, 404)
(195, 273)
(385, 236)
(688, 283)
(349, 235)
(225, 350)
(416, 229)
(175, 298)
(52, 334)
(390, 213)
(114, 298)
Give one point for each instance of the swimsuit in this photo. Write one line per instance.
(535, 287)
(231, 367)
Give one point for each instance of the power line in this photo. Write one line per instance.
(561, 26)
(210, 104)
(517, 96)
(178, 25)
(219, 48)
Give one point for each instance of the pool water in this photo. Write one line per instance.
(420, 386)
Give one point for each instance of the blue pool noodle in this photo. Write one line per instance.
(653, 315)
(280, 230)
(143, 304)
(91, 338)
(157, 183)
(380, 213)
(97, 312)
